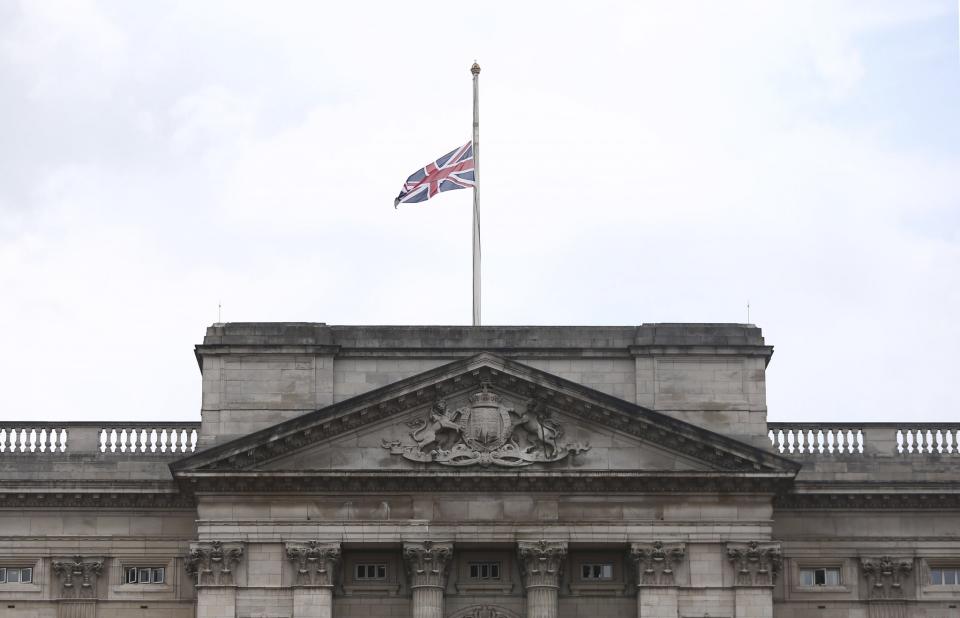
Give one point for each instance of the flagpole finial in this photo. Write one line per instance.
(475, 69)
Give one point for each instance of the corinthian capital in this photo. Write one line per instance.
(78, 577)
(212, 563)
(885, 576)
(656, 562)
(541, 562)
(314, 561)
(756, 564)
(427, 563)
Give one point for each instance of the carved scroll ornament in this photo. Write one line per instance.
(315, 562)
(212, 563)
(756, 564)
(486, 432)
(656, 563)
(78, 577)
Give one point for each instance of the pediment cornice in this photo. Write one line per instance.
(717, 452)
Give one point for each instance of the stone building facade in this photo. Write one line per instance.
(493, 472)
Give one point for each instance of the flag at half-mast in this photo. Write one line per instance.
(454, 170)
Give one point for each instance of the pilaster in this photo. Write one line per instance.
(427, 565)
(541, 564)
(656, 566)
(315, 565)
(886, 577)
(77, 586)
(756, 566)
(213, 565)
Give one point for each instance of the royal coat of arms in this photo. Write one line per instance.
(486, 432)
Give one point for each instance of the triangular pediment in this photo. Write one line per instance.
(484, 416)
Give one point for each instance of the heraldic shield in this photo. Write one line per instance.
(487, 432)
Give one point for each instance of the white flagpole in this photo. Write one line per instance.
(475, 70)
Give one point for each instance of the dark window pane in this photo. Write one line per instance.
(949, 577)
(820, 577)
(13, 576)
(157, 575)
(936, 577)
(26, 576)
(3, 576)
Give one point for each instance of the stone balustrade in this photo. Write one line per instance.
(108, 439)
(878, 439)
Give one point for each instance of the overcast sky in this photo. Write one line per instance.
(642, 162)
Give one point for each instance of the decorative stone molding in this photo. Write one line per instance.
(486, 432)
(78, 577)
(315, 562)
(484, 611)
(427, 563)
(655, 562)
(212, 563)
(541, 562)
(885, 576)
(756, 564)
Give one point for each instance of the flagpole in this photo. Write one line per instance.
(475, 70)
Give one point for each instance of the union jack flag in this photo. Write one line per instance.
(454, 170)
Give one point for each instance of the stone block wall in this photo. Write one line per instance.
(258, 374)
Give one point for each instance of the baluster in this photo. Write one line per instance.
(193, 440)
(167, 439)
(51, 439)
(114, 440)
(179, 441)
(131, 440)
(798, 441)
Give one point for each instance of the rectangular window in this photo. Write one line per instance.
(945, 576)
(484, 570)
(827, 576)
(16, 575)
(370, 572)
(596, 571)
(145, 575)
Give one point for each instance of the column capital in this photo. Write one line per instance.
(315, 562)
(885, 576)
(78, 577)
(427, 563)
(212, 563)
(756, 564)
(541, 562)
(656, 563)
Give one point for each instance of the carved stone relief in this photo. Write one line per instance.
(541, 562)
(212, 563)
(315, 562)
(78, 577)
(427, 563)
(885, 576)
(656, 563)
(484, 611)
(486, 432)
(755, 564)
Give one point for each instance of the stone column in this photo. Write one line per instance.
(213, 564)
(541, 564)
(427, 566)
(315, 567)
(656, 566)
(78, 586)
(756, 566)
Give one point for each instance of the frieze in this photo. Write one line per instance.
(901, 501)
(486, 432)
(755, 564)
(78, 577)
(125, 500)
(212, 564)
(315, 562)
(656, 563)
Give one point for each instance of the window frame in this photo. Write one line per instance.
(20, 571)
(490, 566)
(586, 569)
(813, 571)
(943, 568)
